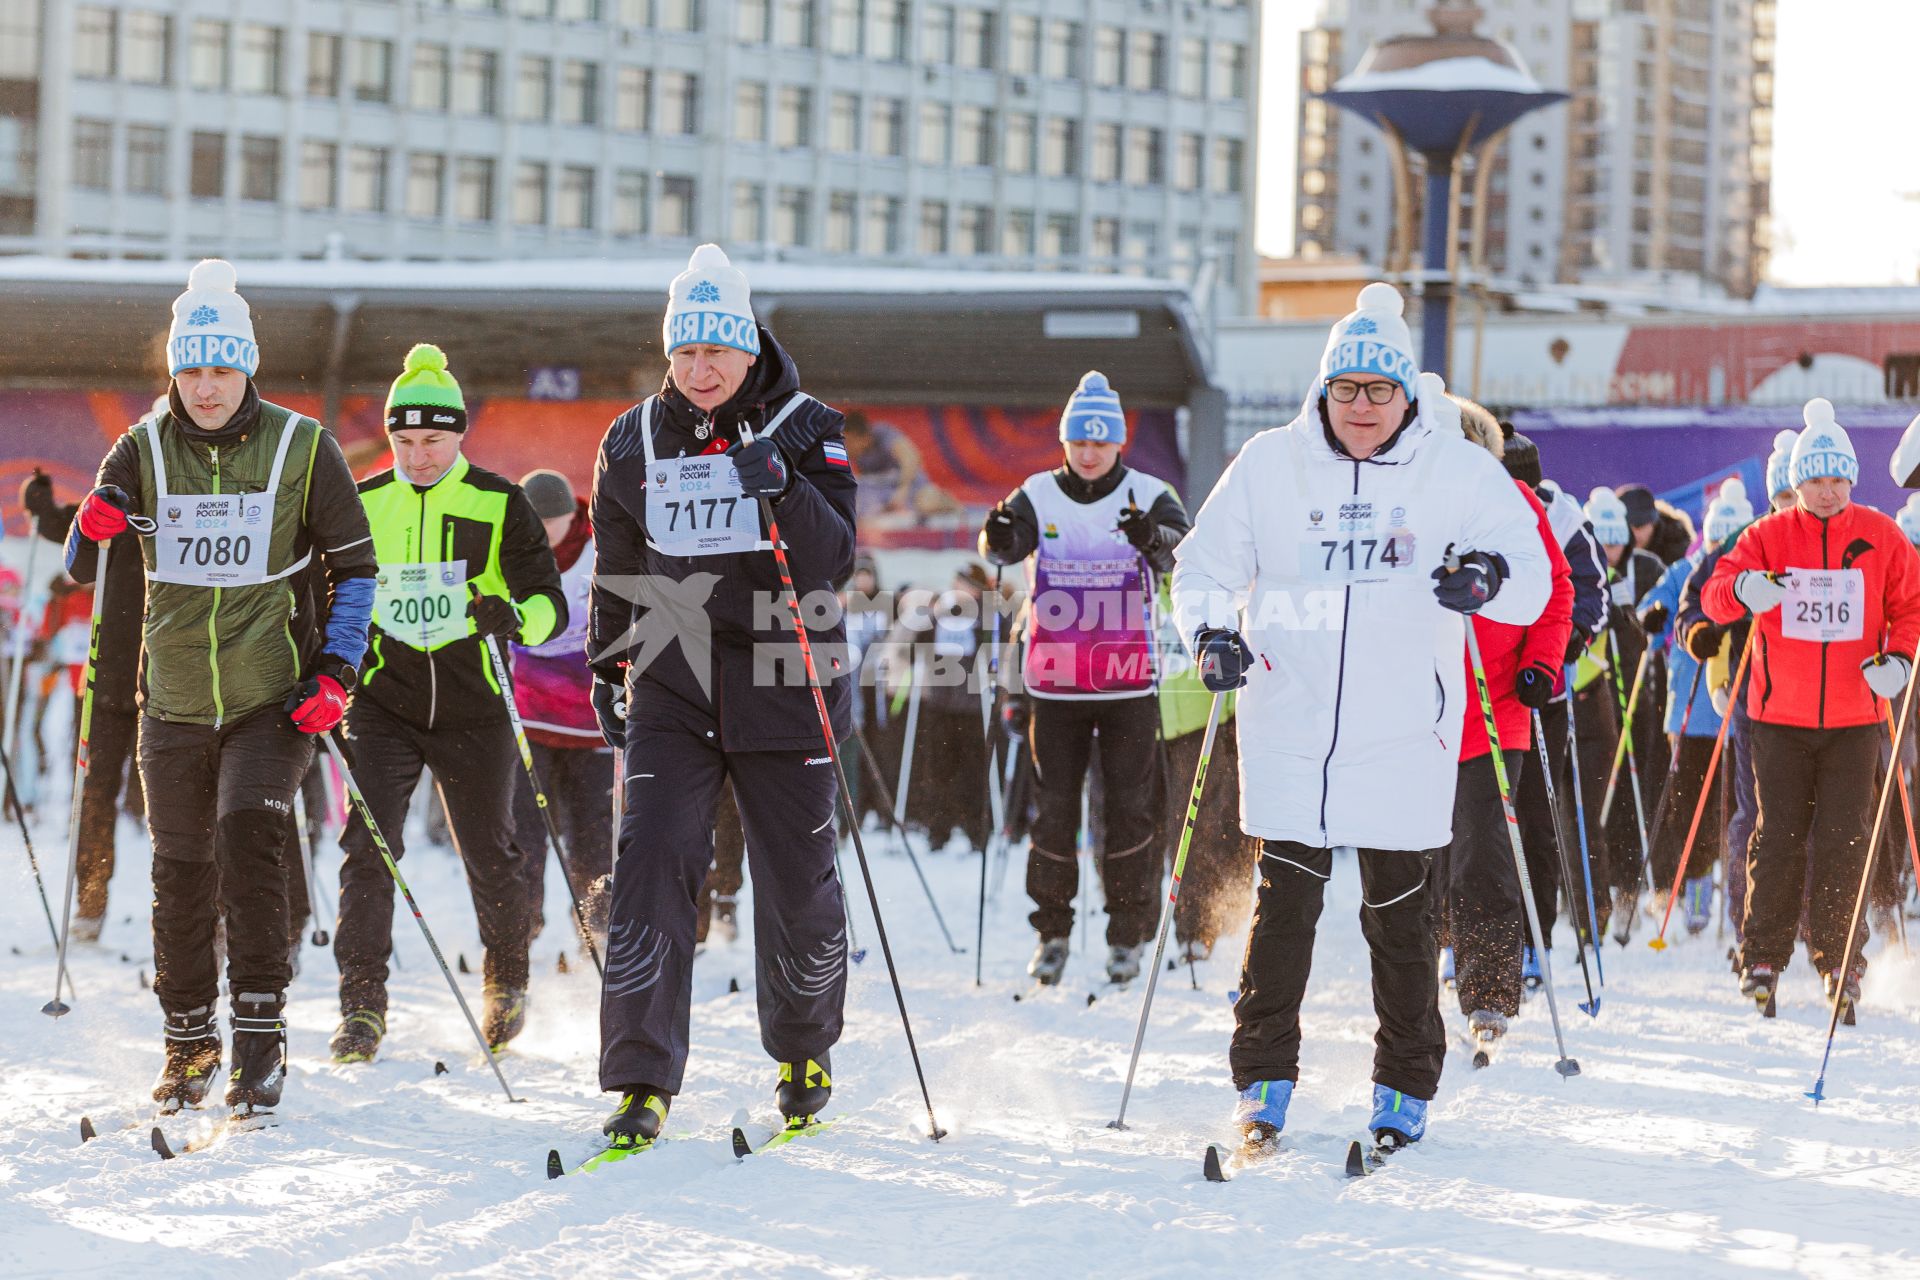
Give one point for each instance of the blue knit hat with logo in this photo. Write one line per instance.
(1093, 412)
(1823, 449)
(1373, 338)
(709, 304)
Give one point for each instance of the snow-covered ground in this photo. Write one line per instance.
(1685, 1147)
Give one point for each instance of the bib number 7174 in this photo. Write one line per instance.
(1357, 555)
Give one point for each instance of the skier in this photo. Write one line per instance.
(428, 697)
(697, 677)
(1347, 545)
(1835, 589)
(241, 494)
(553, 688)
(1093, 532)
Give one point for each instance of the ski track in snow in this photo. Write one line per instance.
(1684, 1147)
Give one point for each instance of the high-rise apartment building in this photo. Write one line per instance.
(1659, 163)
(1091, 134)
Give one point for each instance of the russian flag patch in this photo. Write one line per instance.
(836, 454)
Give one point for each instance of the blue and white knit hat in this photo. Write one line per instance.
(1908, 518)
(1779, 479)
(1093, 412)
(1608, 516)
(1728, 513)
(1373, 338)
(212, 327)
(710, 304)
(1823, 449)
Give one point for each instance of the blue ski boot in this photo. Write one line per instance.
(1398, 1121)
(1260, 1115)
(1529, 968)
(1699, 904)
(1446, 967)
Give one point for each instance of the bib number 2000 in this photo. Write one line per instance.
(223, 550)
(418, 611)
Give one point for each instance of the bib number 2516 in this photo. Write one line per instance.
(205, 551)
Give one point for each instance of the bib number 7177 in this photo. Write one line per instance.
(700, 514)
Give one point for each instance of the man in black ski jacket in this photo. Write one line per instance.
(697, 677)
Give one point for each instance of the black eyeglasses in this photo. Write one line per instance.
(1346, 391)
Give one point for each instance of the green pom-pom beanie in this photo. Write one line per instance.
(425, 397)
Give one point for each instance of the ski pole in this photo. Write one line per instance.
(912, 733)
(393, 868)
(1565, 1066)
(996, 799)
(1580, 823)
(319, 937)
(906, 839)
(1592, 1006)
(16, 677)
(1659, 941)
(501, 678)
(26, 838)
(1672, 779)
(1173, 897)
(1819, 1091)
(846, 794)
(1645, 868)
(1632, 707)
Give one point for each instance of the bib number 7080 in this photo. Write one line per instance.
(701, 513)
(222, 550)
(1360, 554)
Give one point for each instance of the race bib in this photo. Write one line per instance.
(695, 507)
(1824, 605)
(213, 539)
(1356, 542)
(423, 605)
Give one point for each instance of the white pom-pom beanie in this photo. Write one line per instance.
(1778, 478)
(212, 326)
(709, 304)
(1374, 338)
(1728, 513)
(1823, 449)
(1608, 516)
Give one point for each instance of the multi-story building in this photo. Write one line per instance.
(1658, 165)
(1080, 134)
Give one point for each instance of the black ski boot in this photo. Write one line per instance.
(193, 1060)
(804, 1089)
(1761, 984)
(1849, 993)
(259, 1052)
(505, 1016)
(637, 1121)
(358, 1036)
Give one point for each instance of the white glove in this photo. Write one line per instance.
(1886, 674)
(1759, 591)
(1622, 593)
(1722, 696)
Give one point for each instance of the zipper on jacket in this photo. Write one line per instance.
(1339, 686)
(433, 677)
(1820, 718)
(213, 614)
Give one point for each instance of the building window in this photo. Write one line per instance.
(530, 194)
(1063, 50)
(473, 189)
(430, 86)
(976, 39)
(936, 34)
(580, 93)
(887, 127)
(259, 168)
(1105, 166)
(793, 23)
(933, 227)
(1229, 70)
(633, 100)
(1141, 247)
(257, 67)
(323, 64)
(747, 213)
(934, 122)
(146, 47)
(749, 112)
(1060, 155)
(207, 173)
(842, 219)
(372, 70)
(476, 83)
(887, 30)
(973, 230)
(93, 43)
(532, 88)
(1023, 44)
(426, 180)
(1106, 57)
(790, 217)
(1016, 154)
(575, 197)
(1062, 238)
(843, 26)
(750, 19)
(843, 123)
(318, 162)
(207, 59)
(1186, 162)
(1229, 159)
(973, 136)
(92, 155)
(680, 102)
(366, 179)
(629, 203)
(1192, 82)
(1016, 234)
(679, 15)
(1144, 151)
(882, 232)
(1104, 246)
(676, 209)
(794, 127)
(1147, 61)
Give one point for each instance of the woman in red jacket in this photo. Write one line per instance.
(1836, 590)
(1477, 890)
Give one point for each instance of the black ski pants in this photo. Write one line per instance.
(1396, 918)
(1062, 742)
(1681, 796)
(1817, 781)
(1476, 891)
(217, 805)
(110, 741)
(474, 767)
(578, 784)
(787, 801)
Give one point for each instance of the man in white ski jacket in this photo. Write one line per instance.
(1328, 573)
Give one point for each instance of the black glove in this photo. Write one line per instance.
(36, 495)
(1468, 587)
(1000, 536)
(1654, 618)
(1577, 644)
(763, 472)
(610, 709)
(494, 616)
(1138, 528)
(1534, 687)
(1703, 641)
(1013, 715)
(1223, 657)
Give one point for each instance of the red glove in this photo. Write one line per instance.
(103, 513)
(318, 704)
